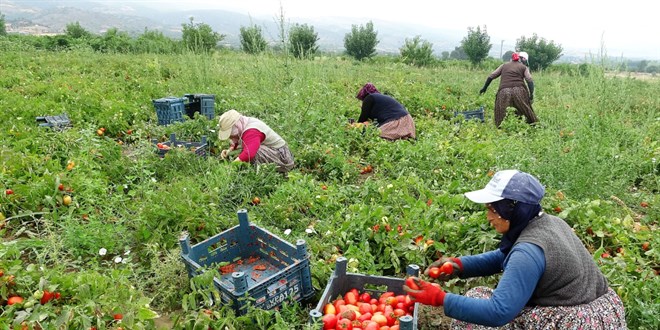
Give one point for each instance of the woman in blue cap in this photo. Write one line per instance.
(549, 279)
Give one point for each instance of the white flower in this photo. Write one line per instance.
(287, 232)
(118, 259)
(102, 251)
(309, 230)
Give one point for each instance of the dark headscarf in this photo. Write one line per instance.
(519, 214)
(367, 89)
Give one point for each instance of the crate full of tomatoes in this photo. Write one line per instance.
(198, 148)
(365, 302)
(252, 262)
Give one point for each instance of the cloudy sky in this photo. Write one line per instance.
(620, 28)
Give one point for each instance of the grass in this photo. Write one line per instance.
(595, 149)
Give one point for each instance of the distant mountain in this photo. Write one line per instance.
(133, 17)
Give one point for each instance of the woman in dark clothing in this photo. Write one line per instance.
(391, 117)
(549, 280)
(512, 91)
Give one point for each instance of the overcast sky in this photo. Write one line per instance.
(622, 28)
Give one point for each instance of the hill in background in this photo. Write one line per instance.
(133, 17)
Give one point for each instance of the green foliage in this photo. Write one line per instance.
(592, 144)
(155, 42)
(75, 31)
(361, 42)
(476, 45)
(3, 29)
(541, 52)
(252, 40)
(417, 52)
(303, 39)
(199, 37)
(458, 53)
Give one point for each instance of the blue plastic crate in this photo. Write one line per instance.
(199, 148)
(169, 109)
(283, 273)
(59, 122)
(341, 282)
(202, 103)
(471, 114)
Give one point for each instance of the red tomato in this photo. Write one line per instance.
(329, 321)
(372, 325)
(411, 283)
(60, 187)
(365, 317)
(14, 300)
(351, 298)
(118, 316)
(344, 324)
(348, 314)
(447, 268)
(434, 272)
(365, 297)
(48, 296)
(364, 308)
(9, 191)
(380, 319)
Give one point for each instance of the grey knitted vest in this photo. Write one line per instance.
(571, 275)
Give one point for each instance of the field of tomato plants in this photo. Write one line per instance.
(91, 214)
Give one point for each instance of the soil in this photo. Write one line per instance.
(432, 318)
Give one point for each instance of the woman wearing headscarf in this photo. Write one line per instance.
(259, 144)
(391, 117)
(512, 91)
(549, 280)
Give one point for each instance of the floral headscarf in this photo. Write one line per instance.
(367, 89)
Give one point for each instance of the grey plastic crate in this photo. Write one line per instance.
(199, 148)
(477, 114)
(58, 122)
(169, 109)
(286, 272)
(341, 282)
(202, 103)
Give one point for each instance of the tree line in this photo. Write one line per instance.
(299, 40)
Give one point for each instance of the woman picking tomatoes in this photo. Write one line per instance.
(391, 117)
(259, 143)
(549, 279)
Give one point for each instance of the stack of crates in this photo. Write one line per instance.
(58, 122)
(199, 148)
(169, 109)
(202, 103)
(341, 282)
(256, 266)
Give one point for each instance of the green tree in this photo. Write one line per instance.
(476, 45)
(3, 30)
(361, 42)
(199, 37)
(541, 52)
(252, 40)
(445, 55)
(152, 41)
(75, 31)
(302, 39)
(114, 41)
(417, 51)
(458, 54)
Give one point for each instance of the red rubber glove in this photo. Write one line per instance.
(424, 292)
(457, 266)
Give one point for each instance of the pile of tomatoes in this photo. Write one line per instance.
(361, 311)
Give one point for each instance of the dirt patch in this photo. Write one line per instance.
(164, 322)
(432, 318)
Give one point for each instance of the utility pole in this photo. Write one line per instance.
(501, 46)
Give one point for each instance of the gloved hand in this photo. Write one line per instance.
(457, 268)
(483, 90)
(224, 153)
(424, 292)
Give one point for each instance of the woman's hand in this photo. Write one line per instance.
(449, 268)
(424, 292)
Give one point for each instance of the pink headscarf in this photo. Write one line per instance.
(367, 89)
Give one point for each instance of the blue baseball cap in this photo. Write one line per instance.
(509, 184)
